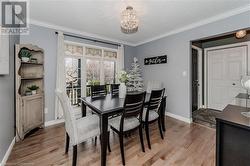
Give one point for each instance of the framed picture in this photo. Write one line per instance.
(155, 60)
(4, 54)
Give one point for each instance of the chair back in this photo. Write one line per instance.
(133, 106)
(69, 116)
(153, 85)
(155, 101)
(115, 89)
(98, 90)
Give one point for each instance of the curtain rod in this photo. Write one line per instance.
(93, 40)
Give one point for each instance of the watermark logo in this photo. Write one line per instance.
(14, 17)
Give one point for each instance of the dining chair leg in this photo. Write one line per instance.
(141, 138)
(160, 128)
(109, 142)
(122, 148)
(95, 140)
(67, 143)
(147, 135)
(84, 109)
(74, 155)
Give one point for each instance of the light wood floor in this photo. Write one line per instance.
(184, 145)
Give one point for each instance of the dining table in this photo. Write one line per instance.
(108, 106)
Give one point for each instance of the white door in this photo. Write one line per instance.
(225, 68)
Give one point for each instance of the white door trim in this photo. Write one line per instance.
(199, 75)
(247, 44)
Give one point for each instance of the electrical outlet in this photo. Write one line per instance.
(46, 110)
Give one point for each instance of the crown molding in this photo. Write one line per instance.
(74, 31)
(200, 23)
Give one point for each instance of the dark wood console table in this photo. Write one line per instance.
(233, 137)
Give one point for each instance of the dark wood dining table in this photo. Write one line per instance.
(107, 106)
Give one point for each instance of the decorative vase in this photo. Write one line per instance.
(25, 59)
(33, 92)
(122, 90)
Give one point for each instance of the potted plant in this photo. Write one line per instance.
(28, 92)
(33, 89)
(25, 55)
(123, 79)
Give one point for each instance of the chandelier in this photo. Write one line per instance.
(129, 21)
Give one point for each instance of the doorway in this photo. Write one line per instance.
(224, 59)
(195, 82)
(196, 78)
(225, 67)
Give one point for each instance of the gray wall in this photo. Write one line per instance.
(7, 103)
(177, 47)
(47, 39)
(129, 54)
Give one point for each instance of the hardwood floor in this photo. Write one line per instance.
(183, 145)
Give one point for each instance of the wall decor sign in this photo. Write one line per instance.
(155, 60)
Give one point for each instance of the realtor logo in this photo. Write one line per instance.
(14, 17)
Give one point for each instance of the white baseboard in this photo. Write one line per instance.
(7, 154)
(178, 117)
(53, 122)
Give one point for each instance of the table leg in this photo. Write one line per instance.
(163, 107)
(83, 109)
(104, 140)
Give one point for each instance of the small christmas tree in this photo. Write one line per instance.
(135, 81)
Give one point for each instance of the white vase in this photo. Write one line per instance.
(25, 59)
(122, 90)
(33, 92)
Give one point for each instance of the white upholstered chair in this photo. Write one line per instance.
(154, 85)
(77, 130)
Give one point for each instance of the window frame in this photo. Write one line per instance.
(74, 102)
(84, 58)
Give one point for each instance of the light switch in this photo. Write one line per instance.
(184, 73)
(46, 110)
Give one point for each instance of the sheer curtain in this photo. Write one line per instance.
(83, 76)
(60, 73)
(120, 60)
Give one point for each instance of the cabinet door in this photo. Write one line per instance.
(32, 113)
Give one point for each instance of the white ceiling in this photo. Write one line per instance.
(101, 18)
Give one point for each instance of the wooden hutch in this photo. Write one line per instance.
(29, 107)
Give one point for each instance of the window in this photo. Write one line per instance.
(73, 79)
(92, 71)
(85, 66)
(109, 72)
(100, 66)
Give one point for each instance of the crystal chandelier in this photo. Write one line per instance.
(129, 21)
